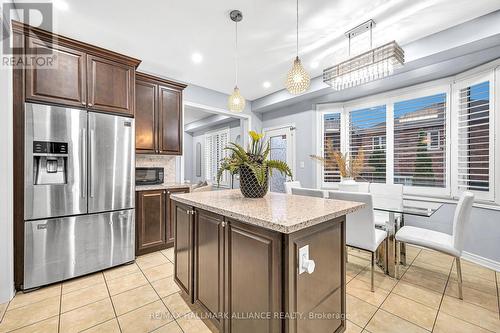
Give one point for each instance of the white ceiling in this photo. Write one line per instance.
(194, 114)
(165, 33)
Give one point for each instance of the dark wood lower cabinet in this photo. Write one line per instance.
(209, 264)
(252, 278)
(170, 215)
(150, 221)
(245, 278)
(183, 248)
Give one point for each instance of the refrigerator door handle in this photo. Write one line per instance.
(83, 151)
(92, 160)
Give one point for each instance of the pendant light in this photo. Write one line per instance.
(236, 102)
(297, 81)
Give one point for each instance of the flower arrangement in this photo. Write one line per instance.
(348, 167)
(253, 165)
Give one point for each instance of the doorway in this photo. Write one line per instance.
(282, 143)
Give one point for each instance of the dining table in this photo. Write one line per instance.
(396, 220)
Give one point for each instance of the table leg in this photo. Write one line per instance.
(391, 246)
(403, 245)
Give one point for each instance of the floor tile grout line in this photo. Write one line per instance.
(112, 304)
(161, 299)
(442, 296)
(6, 308)
(391, 292)
(60, 310)
(34, 323)
(498, 294)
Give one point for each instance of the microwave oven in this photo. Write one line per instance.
(149, 176)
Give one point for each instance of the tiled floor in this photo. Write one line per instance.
(425, 299)
(143, 297)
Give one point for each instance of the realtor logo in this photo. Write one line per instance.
(38, 15)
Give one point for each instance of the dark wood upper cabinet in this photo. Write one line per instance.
(110, 85)
(158, 115)
(170, 214)
(146, 124)
(150, 221)
(64, 83)
(170, 122)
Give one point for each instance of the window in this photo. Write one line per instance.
(331, 142)
(474, 137)
(215, 142)
(367, 126)
(437, 140)
(419, 141)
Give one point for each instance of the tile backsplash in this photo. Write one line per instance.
(159, 161)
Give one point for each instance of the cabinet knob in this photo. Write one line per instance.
(83, 103)
(168, 192)
(90, 104)
(223, 224)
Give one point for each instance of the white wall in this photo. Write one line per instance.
(6, 189)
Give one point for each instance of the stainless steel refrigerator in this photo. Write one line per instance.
(79, 193)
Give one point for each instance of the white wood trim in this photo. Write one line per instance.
(482, 261)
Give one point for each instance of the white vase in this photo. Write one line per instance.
(348, 184)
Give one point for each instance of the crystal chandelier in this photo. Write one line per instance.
(297, 80)
(369, 66)
(236, 102)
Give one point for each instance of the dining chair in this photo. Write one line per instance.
(360, 226)
(290, 184)
(310, 192)
(363, 187)
(386, 195)
(449, 244)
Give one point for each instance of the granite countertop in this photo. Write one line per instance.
(280, 212)
(164, 186)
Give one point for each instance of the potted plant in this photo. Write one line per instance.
(349, 168)
(252, 165)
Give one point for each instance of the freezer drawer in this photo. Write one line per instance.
(63, 248)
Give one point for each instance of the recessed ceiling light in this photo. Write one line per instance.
(61, 5)
(314, 64)
(266, 84)
(196, 58)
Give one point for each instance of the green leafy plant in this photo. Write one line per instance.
(255, 158)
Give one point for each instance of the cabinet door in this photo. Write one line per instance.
(170, 120)
(183, 248)
(150, 231)
(146, 122)
(64, 83)
(209, 263)
(110, 85)
(170, 214)
(253, 277)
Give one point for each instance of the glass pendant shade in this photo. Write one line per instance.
(297, 81)
(236, 102)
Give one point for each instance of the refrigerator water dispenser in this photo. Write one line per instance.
(50, 161)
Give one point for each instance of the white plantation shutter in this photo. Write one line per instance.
(367, 133)
(420, 141)
(331, 138)
(215, 142)
(474, 146)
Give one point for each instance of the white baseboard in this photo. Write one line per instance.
(488, 263)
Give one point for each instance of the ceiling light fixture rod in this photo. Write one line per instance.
(236, 16)
(360, 29)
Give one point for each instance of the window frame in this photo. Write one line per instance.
(389, 99)
(225, 181)
(490, 76)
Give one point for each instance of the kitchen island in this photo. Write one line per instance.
(274, 264)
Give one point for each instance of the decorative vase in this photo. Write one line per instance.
(348, 184)
(249, 186)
